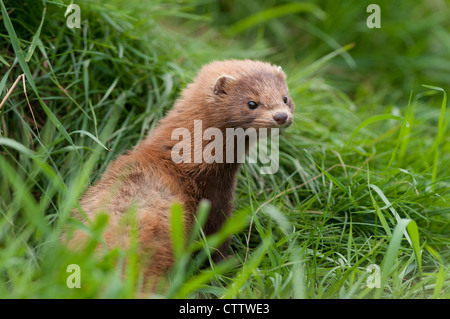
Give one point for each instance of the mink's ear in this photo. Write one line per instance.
(280, 70)
(221, 84)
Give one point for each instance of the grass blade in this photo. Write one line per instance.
(95, 139)
(327, 174)
(413, 232)
(249, 267)
(273, 13)
(403, 131)
(2, 60)
(16, 145)
(36, 37)
(380, 215)
(310, 69)
(374, 119)
(394, 247)
(177, 230)
(440, 137)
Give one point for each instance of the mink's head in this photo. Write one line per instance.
(252, 94)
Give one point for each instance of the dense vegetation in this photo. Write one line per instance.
(364, 172)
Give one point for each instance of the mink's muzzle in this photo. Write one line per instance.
(280, 118)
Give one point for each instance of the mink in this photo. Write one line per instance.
(224, 94)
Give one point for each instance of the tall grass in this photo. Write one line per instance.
(363, 175)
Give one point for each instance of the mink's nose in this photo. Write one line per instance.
(280, 118)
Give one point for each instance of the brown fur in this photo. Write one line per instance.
(147, 178)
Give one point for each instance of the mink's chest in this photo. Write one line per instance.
(219, 190)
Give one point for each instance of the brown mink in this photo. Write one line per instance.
(224, 94)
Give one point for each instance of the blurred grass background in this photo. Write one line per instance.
(368, 149)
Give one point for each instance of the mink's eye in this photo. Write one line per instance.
(252, 105)
(285, 99)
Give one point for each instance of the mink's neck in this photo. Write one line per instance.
(213, 180)
(181, 133)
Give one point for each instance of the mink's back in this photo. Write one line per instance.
(131, 183)
(145, 187)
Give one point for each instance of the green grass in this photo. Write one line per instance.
(364, 169)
